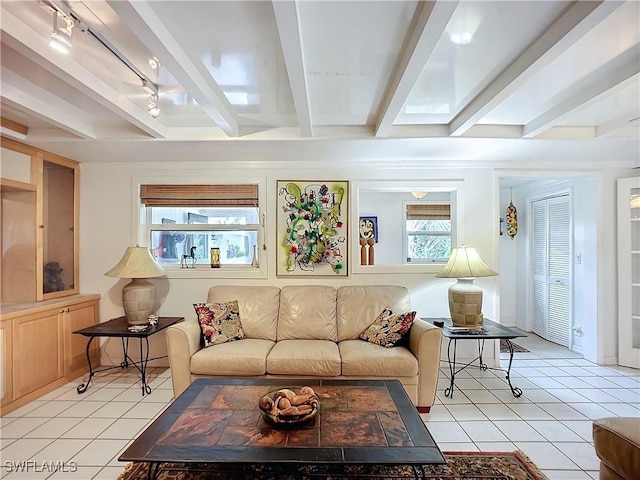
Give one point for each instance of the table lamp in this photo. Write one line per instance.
(465, 297)
(138, 296)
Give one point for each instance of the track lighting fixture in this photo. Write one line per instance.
(62, 30)
(152, 107)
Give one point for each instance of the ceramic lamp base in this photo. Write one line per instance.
(139, 301)
(465, 303)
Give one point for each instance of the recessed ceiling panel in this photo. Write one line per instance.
(481, 40)
(237, 44)
(573, 69)
(349, 50)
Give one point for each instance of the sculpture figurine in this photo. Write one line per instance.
(52, 277)
(191, 257)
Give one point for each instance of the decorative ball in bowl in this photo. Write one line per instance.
(287, 407)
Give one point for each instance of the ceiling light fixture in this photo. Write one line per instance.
(152, 107)
(419, 195)
(62, 31)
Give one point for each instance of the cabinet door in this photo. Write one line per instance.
(76, 317)
(37, 351)
(59, 229)
(6, 387)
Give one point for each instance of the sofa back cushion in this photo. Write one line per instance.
(359, 306)
(308, 312)
(258, 307)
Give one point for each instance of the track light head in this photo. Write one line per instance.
(152, 107)
(62, 31)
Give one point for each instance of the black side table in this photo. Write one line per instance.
(118, 327)
(490, 331)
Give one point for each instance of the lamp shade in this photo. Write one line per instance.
(136, 262)
(465, 298)
(138, 296)
(465, 262)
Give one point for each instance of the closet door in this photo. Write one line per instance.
(551, 247)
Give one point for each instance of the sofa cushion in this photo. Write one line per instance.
(364, 359)
(307, 312)
(358, 306)
(304, 357)
(219, 322)
(389, 328)
(244, 357)
(258, 307)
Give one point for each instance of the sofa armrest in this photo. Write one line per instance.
(425, 342)
(183, 340)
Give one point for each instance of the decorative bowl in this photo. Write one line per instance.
(281, 412)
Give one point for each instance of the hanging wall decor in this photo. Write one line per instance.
(512, 220)
(312, 228)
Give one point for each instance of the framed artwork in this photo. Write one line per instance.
(368, 228)
(312, 228)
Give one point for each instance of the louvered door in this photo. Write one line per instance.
(551, 247)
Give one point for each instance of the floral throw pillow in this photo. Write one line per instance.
(389, 328)
(219, 322)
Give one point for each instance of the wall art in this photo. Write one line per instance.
(369, 228)
(312, 228)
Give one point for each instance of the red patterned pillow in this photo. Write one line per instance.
(389, 328)
(219, 322)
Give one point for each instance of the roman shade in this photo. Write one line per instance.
(428, 212)
(199, 195)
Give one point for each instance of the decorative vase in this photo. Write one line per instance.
(215, 257)
(254, 259)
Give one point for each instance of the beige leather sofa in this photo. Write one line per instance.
(309, 331)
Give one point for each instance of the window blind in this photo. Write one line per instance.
(199, 195)
(428, 212)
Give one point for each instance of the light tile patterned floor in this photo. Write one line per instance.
(551, 422)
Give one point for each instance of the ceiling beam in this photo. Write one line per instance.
(140, 17)
(33, 45)
(288, 23)
(43, 105)
(609, 78)
(564, 32)
(427, 26)
(629, 119)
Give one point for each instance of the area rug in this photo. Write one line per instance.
(460, 465)
(516, 348)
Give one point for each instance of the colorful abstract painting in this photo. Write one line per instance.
(312, 228)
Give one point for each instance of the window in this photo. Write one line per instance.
(428, 232)
(191, 219)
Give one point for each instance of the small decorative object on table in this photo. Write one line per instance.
(285, 407)
(153, 320)
(215, 257)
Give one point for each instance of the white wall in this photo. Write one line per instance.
(108, 213)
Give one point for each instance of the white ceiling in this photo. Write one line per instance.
(533, 82)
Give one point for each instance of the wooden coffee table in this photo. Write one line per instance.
(217, 421)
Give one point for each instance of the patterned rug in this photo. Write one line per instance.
(460, 465)
(516, 348)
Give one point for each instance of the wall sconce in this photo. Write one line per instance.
(419, 195)
(62, 30)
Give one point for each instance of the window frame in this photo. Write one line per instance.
(406, 232)
(143, 227)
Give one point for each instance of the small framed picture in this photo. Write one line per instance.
(369, 228)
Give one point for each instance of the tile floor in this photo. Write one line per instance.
(550, 422)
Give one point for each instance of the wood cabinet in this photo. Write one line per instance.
(39, 217)
(6, 381)
(40, 351)
(37, 352)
